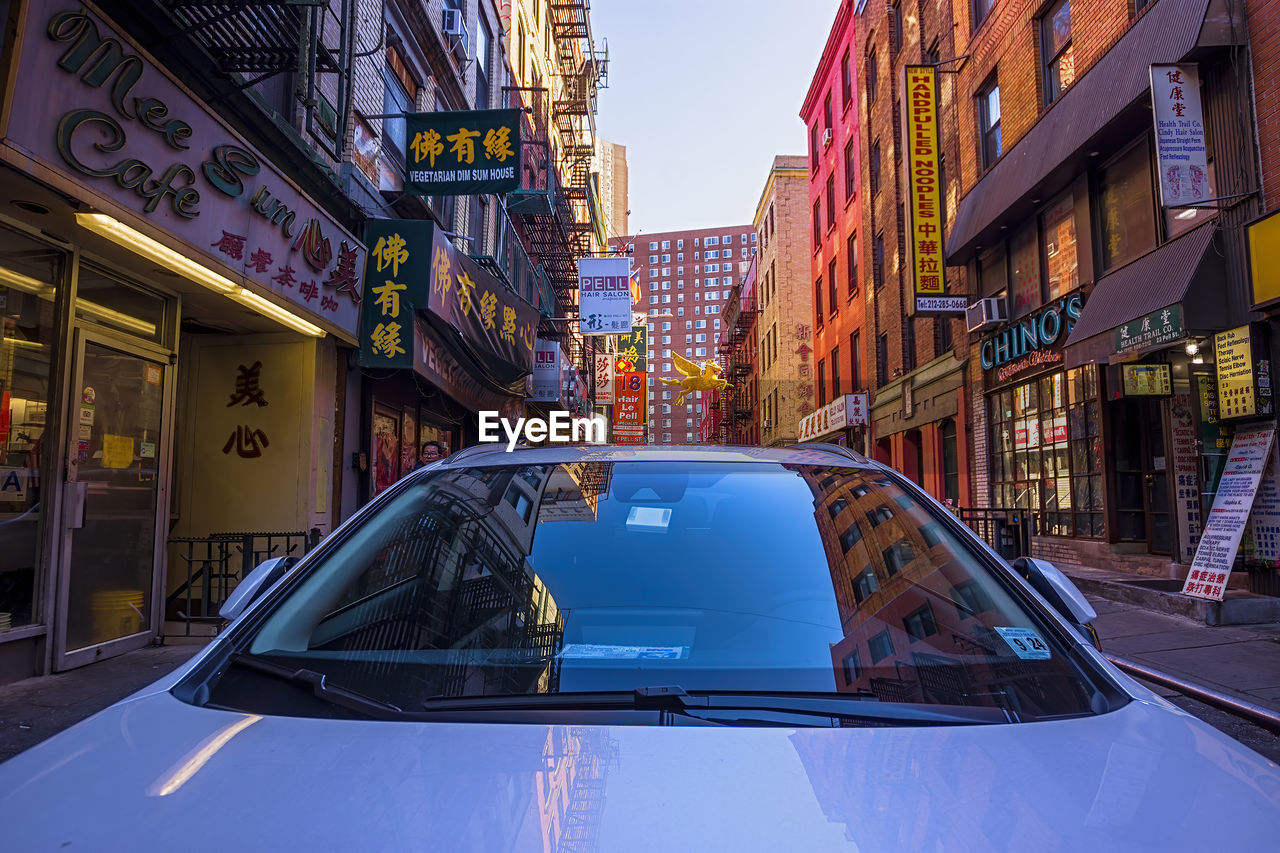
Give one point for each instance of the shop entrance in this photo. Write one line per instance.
(112, 499)
(1141, 472)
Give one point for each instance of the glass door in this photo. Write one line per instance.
(111, 500)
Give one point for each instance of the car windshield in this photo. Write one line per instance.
(594, 576)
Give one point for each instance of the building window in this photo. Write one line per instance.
(836, 390)
(1058, 245)
(895, 30)
(942, 340)
(875, 167)
(989, 123)
(833, 288)
(817, 301)
(483, 40)
(882, 360)
(865, 584)
(1024, 256)
(826, 114)
(919, 623)
(1127, 206)
(1055, 50)
(813, 155)
(851, 258)
(950, 462)
(909, 343)
(395, 102)
(873, 77)
(850, 173)
(877, 260)
(852, 667)
(981, 8)
(846, 81)
(855, 361)
(817, 225)
(831, 200)
(822, 382)
(1046, 452)
(880, 646)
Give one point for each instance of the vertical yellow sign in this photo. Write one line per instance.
(924, 180)
(1233, 351)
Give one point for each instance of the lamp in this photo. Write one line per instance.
(123, 235)
(1192, 347)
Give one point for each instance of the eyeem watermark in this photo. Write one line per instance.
(560, 428)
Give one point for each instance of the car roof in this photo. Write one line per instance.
(804, 453)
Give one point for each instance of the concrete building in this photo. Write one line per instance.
(611, 166)
(784, 326)
(685, 282)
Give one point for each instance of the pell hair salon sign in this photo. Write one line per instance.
(142, 148)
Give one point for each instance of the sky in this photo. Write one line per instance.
(704, 93)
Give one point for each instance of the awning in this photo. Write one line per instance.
(1187, 271)
(1166, 33)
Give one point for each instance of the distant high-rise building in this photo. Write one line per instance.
(685, 279)
(611, 166)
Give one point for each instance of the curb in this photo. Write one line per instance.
(1237, 608)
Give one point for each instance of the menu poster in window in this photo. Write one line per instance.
(1216, 552)
(1186, 480)
(408, 449)
(386, 451)
(1146, 380)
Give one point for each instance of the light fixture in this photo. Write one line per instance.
(1189, 213)
(1192, 348)
(116, 231)
(15, 279)
(1199, 359)
(116, 318)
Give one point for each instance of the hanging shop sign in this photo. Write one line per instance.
(1030, 345)
(1250, 450)
(395, 268)
(604, 295)
(633, 350)
(849, 410)
(1140, 380)
(1244, 373)
(629, 408)
(462, 152)
(1182, 428)
(1181, 152)
(435, 362)
(925, 189)
(1155, 329)
(603, 374)
(140, 147)
(546, 371)
(1263, 236)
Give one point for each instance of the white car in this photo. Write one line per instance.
(646, 649)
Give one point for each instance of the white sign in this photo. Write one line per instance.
(1180, 142)
(956, 304)
(546, 371)
(1250, 451)
(13, 484)
(604, 379)
(1186, 474)
(1264, 521)
(604, 296)
(849, 410)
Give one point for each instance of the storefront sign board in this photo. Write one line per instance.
(398, 262)
(1146, 380)
(1154, 329)
(629, 410)
(433, 361)
(925, 192)
(1216, 552)
(462, 152)
(849, 410)
(604, 379)
(633, 350)
(1030, 345)
(1244, 373)
(142, 148)
(604, 296)
(546, 371)
(1182, 155)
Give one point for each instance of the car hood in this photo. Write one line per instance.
(155, 771)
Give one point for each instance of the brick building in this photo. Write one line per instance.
(784, 326)
(685, 282)
(732, 415)
(1088, 276)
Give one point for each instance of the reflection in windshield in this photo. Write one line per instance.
(600, 576)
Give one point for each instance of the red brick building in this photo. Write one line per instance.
(685, 282)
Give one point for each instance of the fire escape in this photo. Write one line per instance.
(596, 753)
(738, 403)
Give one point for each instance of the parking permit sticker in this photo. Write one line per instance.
(587, 651)
(1025, 643)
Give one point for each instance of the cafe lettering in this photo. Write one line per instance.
(1033, 336)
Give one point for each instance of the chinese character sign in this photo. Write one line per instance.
(604, 295)
(604, 379)
(1233, 351)
(546, 371)
(630, 410)
(462, 152)
(925, 174)
(1180, 141)
(633, 351)
(396, 268)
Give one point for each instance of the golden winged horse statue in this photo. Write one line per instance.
(696, 378)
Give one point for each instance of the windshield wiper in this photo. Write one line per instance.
(334, 694)
(841, 708)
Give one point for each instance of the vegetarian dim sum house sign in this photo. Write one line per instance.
(462, 152)
(131, 141)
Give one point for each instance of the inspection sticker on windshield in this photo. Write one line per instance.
(589, 651)
(1025, 643)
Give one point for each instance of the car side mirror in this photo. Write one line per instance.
(257, 582)
(1048, 580)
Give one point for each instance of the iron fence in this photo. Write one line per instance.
(1008, 531)
(215, 564)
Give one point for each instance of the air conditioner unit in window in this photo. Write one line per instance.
(455, 26)
(766, 424)
(984, 313)
(826, 137)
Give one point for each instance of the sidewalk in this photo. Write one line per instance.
(35, 709)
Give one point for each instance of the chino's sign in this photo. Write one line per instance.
(924, 183)
(462, 152)
(139, 146)
(1034, 341)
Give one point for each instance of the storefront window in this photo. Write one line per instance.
(104, 300)
(1046, 452)
(1059, 230)
(1025, 258)
(29, 272)
(1128, 207)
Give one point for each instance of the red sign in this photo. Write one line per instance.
(629, 408)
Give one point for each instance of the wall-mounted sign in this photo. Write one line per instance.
(849, 410)
(604, 371)
(1244, 373)
(633, 350)
(462, 152)
(1155, 329)
(629, 412)
(1034, 341)
(1180, 143)
(925, 191)
(604, 295)
(142, 148)
(1263, 236)
(399, 260)
(546, 371)
(1146, 380)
